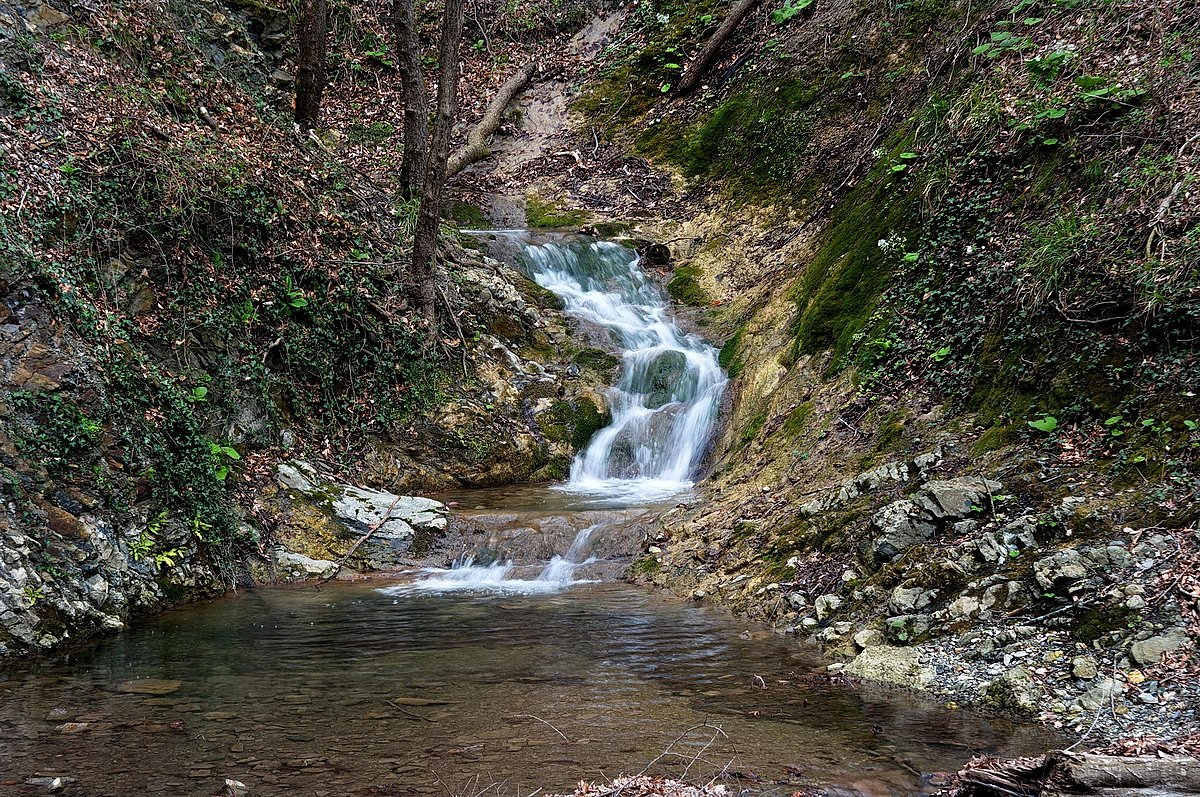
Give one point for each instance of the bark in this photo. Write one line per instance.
(312, 34)
(429, 212)
(477, 148)
(701, 63)
(1060, 772)
(415, 160)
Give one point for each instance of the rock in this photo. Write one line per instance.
(797, 600)
(1102, 694)
(899, 526)
(52, 783)
(957, 498)
(907, 600)
(1150, 651)
(1084, 668)
(149, 686)
(235, 788)
(281, 79)
(662, 375)
(900, 666)
(1060, 569)
(963, 608)
(301, 566)
(869, 638)
(1014, 691)
(826, 605)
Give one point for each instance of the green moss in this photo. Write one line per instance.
(542, 213)
(730, 357)
(996, 438)
(754, 427)
(1091, 624)
(573, 423)
(842, 285)
(685, 287)
(646, 566)
(469, 216)
(596, 360)
(797, 419)
(890, 431)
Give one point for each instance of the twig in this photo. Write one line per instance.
(548, 725)
(458, 327)
(338, 565)
(403, 710)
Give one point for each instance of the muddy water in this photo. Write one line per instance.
(352, 689)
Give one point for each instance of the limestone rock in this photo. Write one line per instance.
(1084, 668)
(899, 666)
(954, 499)
(906, 600)
(1060, 569)
(869, 638)
(1014, 691)
(899, 526)
(301, 566)
(1150, 651)
(826, 605)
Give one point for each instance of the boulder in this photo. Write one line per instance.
(899, 526)
(906, 600)
(954, 499)
(892, 665)
(1060, 569)
(301, 566)
(1150, 651)
(1013, 691)
(826, 605)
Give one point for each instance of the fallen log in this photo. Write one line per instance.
(476, 148)
(700, 64)
(1064, 773)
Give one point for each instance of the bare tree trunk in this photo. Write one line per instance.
(700, 64)
(476, 147)
(416, 99)
(429, 213)
(312, 35)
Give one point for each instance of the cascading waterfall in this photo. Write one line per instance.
(663, 406)
(666, 400)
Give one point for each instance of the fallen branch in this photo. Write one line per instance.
(699, 66)
(338, 565)
(476, 148)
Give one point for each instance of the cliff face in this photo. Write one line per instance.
(191, 293)
(951, 250)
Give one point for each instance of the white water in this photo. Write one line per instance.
(665, 402)
(663, 406)
(466, 576)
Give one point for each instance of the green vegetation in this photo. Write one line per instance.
(543, 214)
(685, 287)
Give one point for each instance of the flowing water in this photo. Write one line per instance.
(355, 689)
(666, 400)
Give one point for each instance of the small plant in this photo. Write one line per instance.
(940, 354)
(1046, 424)
(294, 296)
(223, 457)
(788, 10)
(1046, 69)
(198, 394)
(1000, 42)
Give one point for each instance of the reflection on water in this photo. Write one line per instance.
(352, 690)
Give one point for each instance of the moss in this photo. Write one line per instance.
(646, 566)
(685, 287)
(572, 423)
(557, 469)
(996, 438)
(797, 419)
(890, 431)
(730, 357)
(596, 360)
(542, 213)
(467, 215)
(756, 139)
(754, 427)
(842, 285)
(1094, 623)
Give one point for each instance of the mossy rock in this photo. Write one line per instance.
(543, 214)
(685, 287)
(664, 373)
(597, 360)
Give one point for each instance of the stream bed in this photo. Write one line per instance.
(355, 688)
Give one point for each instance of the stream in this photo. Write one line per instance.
(522, 666)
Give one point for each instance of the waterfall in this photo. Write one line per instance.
(665, 402)
(663, 405)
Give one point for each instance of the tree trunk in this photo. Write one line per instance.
(476, 147)
(429, 213)
(312, 37)
(700, 64)
(415, 160)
